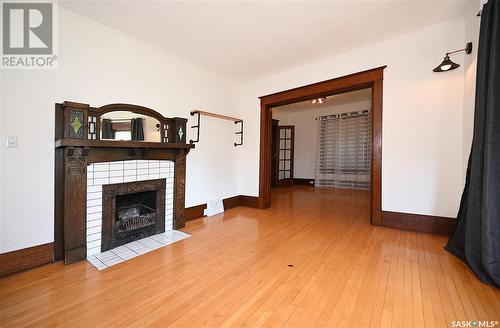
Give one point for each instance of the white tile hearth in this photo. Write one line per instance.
(128, 251)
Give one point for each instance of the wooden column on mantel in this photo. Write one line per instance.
(180, 188)
(78, 144)
(75, 203)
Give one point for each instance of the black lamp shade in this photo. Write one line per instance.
(446, 65)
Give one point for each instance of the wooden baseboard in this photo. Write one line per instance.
(249, 201)
(232, 202)
(421, 223)
(302, 181)
(195, 212)
(26, 258)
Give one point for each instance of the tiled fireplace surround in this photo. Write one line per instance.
(100, 174)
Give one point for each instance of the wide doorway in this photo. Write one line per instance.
(334, 144)
(324, 142)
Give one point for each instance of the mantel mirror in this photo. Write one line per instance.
(127, 125)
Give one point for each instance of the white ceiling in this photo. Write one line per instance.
(246, 40)
(335, 100)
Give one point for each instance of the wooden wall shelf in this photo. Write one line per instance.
(215, 115)
(219, 116)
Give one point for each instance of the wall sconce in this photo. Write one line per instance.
(448, 64)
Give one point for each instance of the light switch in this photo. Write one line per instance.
(11, 142)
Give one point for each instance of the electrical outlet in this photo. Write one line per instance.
(11, 142)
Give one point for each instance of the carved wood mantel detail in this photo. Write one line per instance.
(75, 149)
(75, 204)
(179, 188)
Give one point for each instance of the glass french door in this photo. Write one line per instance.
(286, 135)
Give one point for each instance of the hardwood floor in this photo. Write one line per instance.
(310, 260)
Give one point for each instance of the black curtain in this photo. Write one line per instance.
(107, 130)
(476, 235)
(136, 129)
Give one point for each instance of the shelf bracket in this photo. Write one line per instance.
(218, 116)
(240, 132)
(197, 127)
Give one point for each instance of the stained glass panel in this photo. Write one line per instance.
(75, 124)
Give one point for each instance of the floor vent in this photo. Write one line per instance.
(215, 206)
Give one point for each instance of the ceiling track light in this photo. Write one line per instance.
(318, 101)
(448, 64)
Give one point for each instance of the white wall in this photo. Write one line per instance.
(98, 66)
(422, 157)
(306, 133)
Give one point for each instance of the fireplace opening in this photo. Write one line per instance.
(132, 211)
(135, 216)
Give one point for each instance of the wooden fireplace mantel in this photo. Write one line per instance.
(120, 144)
(76, 149)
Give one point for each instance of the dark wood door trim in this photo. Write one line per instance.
(373, 79)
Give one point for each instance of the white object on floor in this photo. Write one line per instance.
(214, 207)
(128, 251)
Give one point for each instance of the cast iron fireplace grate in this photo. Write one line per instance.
(132, 211)
(135, 216)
